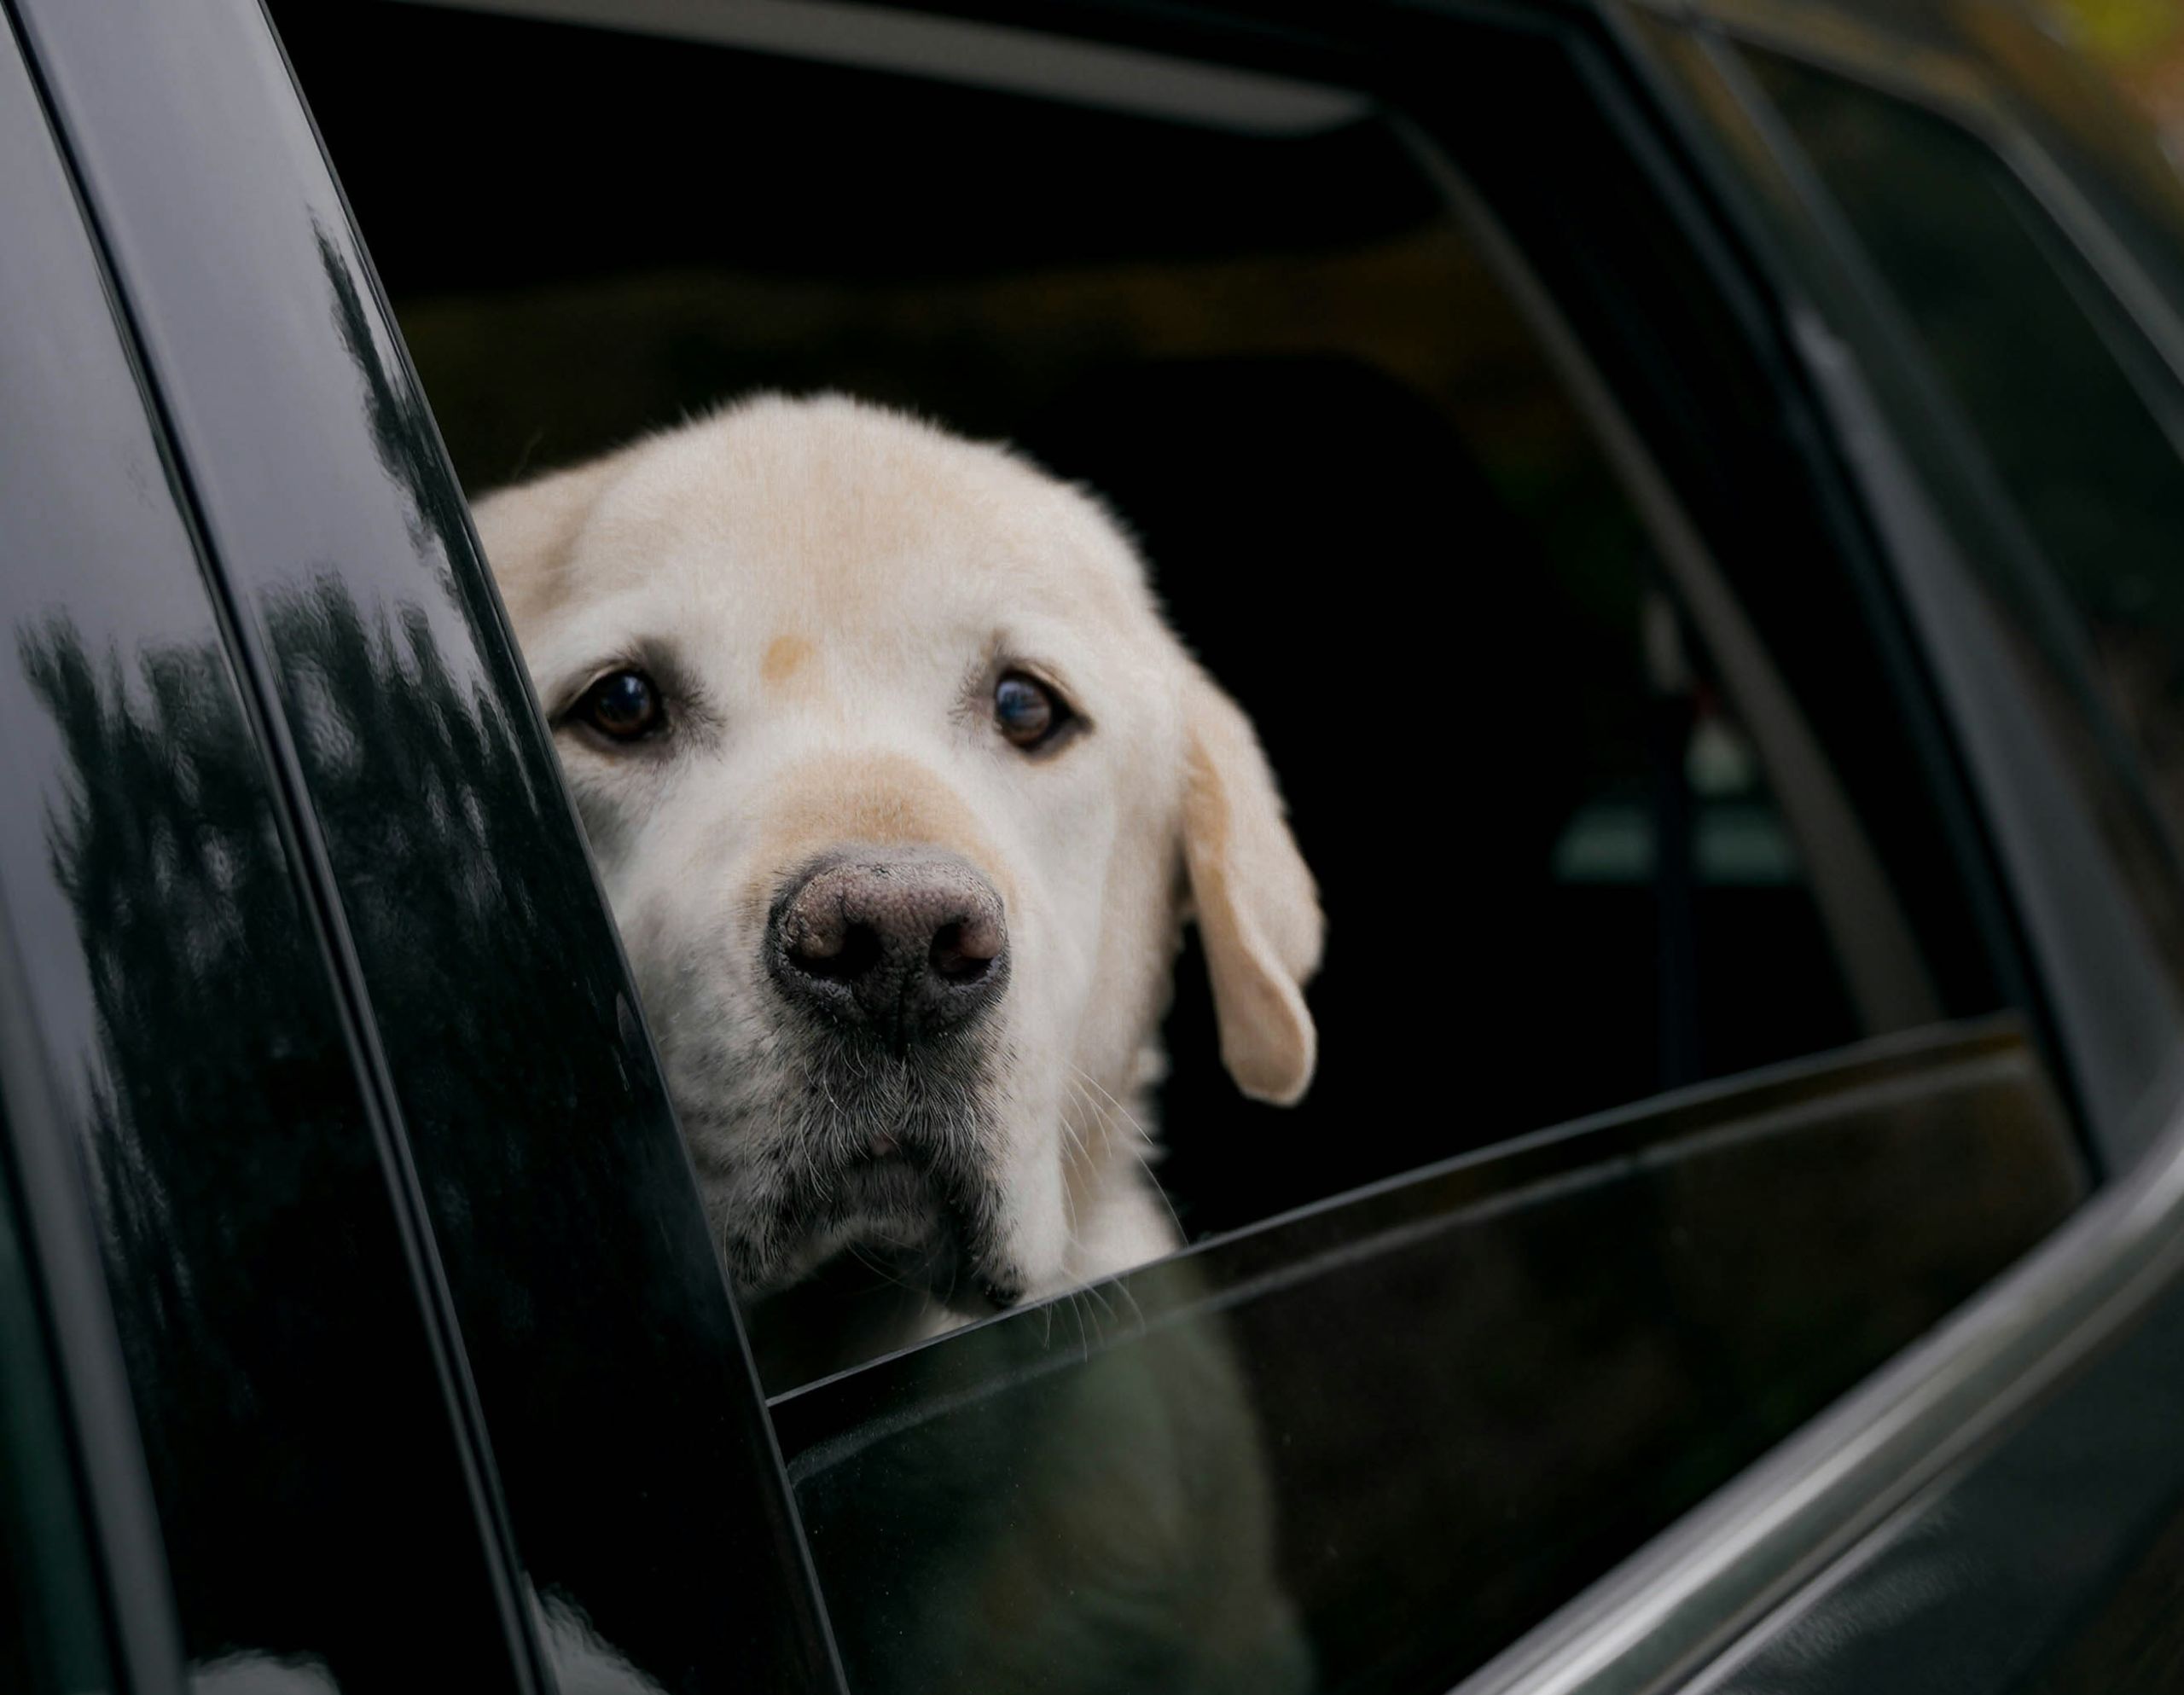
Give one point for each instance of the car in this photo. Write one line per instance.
(1689, 490)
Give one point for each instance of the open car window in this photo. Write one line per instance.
(1671, 1079)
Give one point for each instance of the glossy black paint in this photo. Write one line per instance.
(602, 1399)
(97, 1497)
(168, 972)
(51, 1587)
(1692, 1278)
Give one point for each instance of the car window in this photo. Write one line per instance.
(1667, 1083)
(2082, 424)
(1299, 385)
(1366, 1448)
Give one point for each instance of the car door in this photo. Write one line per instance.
(324, 1059)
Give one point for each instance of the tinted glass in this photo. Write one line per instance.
(2050, 1564)
(2082, 426)
(1364, 1449)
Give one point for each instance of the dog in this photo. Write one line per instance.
(902, 791)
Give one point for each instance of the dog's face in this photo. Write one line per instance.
(899, 788)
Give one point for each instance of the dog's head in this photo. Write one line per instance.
(900, 789)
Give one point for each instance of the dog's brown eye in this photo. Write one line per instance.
(1026, 710)
(622, 704)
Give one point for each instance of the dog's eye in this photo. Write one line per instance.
(624, 705)
(1027, 712)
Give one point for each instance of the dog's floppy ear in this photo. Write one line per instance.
(528, 531)
(1258, 909)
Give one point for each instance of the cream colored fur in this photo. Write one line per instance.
(823, 588)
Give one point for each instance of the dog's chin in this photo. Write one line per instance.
(897, 1260)
(911, 1226)
(916, 1223)
(845, 1152)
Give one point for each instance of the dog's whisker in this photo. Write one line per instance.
(1123, 1289)
(1138, 1149)
(881, 1271)
(1077, 1307)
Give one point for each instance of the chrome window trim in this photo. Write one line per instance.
(1666, 1612)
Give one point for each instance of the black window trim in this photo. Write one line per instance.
(987, 53)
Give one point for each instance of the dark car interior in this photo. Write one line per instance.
(1366, 501)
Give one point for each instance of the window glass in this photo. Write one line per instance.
(2081, 424)
(1364, 1449)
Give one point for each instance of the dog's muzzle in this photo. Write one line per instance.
(902, 945)
(887, 958)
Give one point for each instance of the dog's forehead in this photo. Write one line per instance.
(833, 514)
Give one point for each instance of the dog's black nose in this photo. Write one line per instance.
(905, 943)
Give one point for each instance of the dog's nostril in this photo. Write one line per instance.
(907, 946)
(957, 956)
(842, 957)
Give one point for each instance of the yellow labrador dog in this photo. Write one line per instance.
(902, 791)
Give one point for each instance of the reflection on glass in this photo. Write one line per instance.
(1062, 1527)
(2082, 422)
(579, 1265)
(1363, 1448)
(263, 1300)
(49, 1637)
